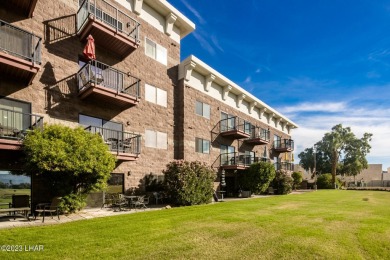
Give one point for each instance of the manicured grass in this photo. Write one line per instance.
(315, 225)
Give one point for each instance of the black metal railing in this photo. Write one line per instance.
(15, 125)
(287, 144)
(258, 132)
(237, 159)
(109, 15)
(101, 74)
(287, 166)
(118, 141)
(235, 123)
(20, 43)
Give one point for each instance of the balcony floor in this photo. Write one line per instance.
(236, 134)
(257, 141)
(283, 150)
(10, 144)
(17, 68)
(125, 156)
(108, 38)
(234, 167)
(100, 93)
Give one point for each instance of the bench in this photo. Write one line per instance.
(14, 210)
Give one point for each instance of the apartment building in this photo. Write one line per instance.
(220, 123)
(148, 107)
(126, 94)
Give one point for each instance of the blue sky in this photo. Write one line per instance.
(318, 62)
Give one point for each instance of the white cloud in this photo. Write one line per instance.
(216, 43)
(194, 12)
(315, 107)
(204, 43)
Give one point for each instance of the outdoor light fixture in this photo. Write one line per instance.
(223, 182)
(129, 173)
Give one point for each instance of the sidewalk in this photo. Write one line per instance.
(88, 213)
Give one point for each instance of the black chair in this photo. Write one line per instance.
(51, 208)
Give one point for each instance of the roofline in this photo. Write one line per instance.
(235, 87)
(185, 25)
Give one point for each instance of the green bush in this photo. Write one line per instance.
(258, 177)
(297, 179)
(324, 181)
(69, 162)
(282, 183)
(189, 183)
(72, 202)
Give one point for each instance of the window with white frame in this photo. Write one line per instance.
(155, 95)
(202, 145)
(202, 109)
(156, 51)
(155, 139)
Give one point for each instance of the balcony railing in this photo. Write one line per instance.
(287, 166)
(111, 28)
(20, 43)
(259, 136)
(237, 160)
(235, 127)
(113, 83)
(284, 145)
(14, 126)
(117, 141)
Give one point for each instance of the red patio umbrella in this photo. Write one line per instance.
(89, 49)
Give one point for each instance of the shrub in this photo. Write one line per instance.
(72, 202)
(282, 183)
(70, 162)
(189, 183)
(324, 181)
(297, 179)
(258, 177)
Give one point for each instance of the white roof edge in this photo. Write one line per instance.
(235, 86)
(185, 25)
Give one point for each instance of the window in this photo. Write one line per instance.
(228, 155)
(115, 183)
(228, 122)
(156, 139)
(13, 182)
(155, 95)
(277, 141)
(156, 51)
(247, 127)
(202, 146)
(110, 131)
(202, 109)
(14, 115)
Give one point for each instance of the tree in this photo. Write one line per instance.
(73, 162)
(189, 183)
(297, 179)
(321, 159)
(258, 177)
(340, 151)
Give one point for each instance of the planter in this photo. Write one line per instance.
(246, 193)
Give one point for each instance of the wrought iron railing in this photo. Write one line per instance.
(235, 123)
(109, 15)
(103, 75)
(287, 166)
(258, 132)
(284, 144)
(236, 158)
(20, 43)
(15, 125)
(118, 141)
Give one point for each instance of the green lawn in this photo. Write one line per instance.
(315, 225)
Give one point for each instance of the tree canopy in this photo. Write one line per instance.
(73, 160)
(339, 151)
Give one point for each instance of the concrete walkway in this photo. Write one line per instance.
(89, 213)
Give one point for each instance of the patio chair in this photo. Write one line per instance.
(51, 208)
(142, 202)
(119, 201)
(108, 200)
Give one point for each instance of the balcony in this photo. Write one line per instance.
(284, 145)
(111, 28)
(237, 161)
(258, 136)
(102, 83)
(20, 53)
(235, 127)
(125, 146)
(26, 7)
(287, 166)
(14, 126)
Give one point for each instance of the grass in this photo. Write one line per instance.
(317, 225)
